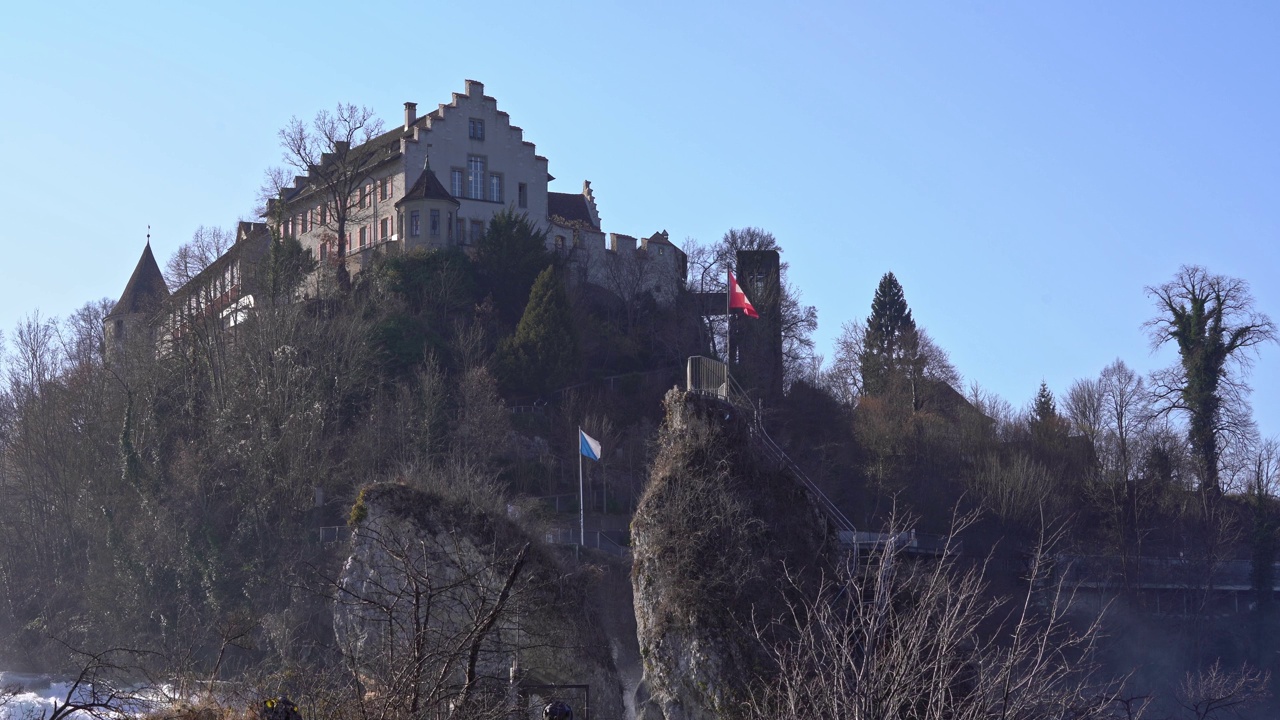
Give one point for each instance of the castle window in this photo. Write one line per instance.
(435, 223)
(449, 227)
(455, 182)
(324, 251)
(495, 187)
(413, 223)
(324, 214)
(475, 129)
(386, 188)
(460, 230)
(364, 236)
(386, 228)
(475, 177)
(522, 194)
(560, 243)
(477, 230)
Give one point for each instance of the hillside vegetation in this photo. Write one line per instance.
(198, 504)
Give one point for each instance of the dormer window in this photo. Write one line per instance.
(475, 129)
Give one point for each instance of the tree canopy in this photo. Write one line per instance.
(891, 343)
(1212, 321)
(509, 257)
(543, 354)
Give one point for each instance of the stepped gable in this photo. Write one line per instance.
(146, 290)
(571, 207)
(371, 155)
(427, 187)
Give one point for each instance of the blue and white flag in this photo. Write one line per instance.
(588, 446)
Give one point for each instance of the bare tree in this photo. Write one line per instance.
(1212, 320)
(1084, 406)
(1126, 411)
(845, 373)
(708, 274)
(1261, 489)
(894, 637)
(335, 153)
(1215, 692)
(108, 684)
(206, 245)
(415, 627)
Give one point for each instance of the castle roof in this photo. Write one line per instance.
(146, 290)
(250, 238)
(427, 187)
(380, 149)
(571, 207)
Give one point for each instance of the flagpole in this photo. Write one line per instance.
(582, 507)
(728, 320)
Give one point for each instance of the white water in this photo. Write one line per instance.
(37, 698)
(40, 694)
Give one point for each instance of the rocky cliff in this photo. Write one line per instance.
(720, 538)
(442, 596)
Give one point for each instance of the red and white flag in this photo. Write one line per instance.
(738, 299)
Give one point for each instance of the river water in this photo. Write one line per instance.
(31, 697)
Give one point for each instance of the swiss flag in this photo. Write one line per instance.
(738, 299)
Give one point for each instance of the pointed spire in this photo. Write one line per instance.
(146, 290)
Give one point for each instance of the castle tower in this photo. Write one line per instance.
(756, 343)
(133, 317)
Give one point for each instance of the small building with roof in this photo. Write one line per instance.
(132, 320)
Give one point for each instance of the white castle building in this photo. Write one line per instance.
(433, 182)
(437, 180)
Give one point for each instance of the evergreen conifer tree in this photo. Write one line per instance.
(508, 258)
(1044, 409)
(890, 346)
(1048, 428)
(543, 353)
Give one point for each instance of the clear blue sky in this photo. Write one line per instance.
(1025, 169)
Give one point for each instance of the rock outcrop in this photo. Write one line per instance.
(437, 584)
(721, 539)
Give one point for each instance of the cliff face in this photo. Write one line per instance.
(718, 540)
(442, 596)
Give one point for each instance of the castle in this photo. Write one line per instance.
(433, 182)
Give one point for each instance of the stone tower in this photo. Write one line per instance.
(133, 320)
(756, 343)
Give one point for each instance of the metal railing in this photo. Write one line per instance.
(705, 376)
(334, 533)
(598, 539)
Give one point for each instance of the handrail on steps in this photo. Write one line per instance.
(706, 376)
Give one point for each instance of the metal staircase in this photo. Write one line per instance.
(708, 377)
(711, 378)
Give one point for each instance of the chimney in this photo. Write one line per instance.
(410, 114)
